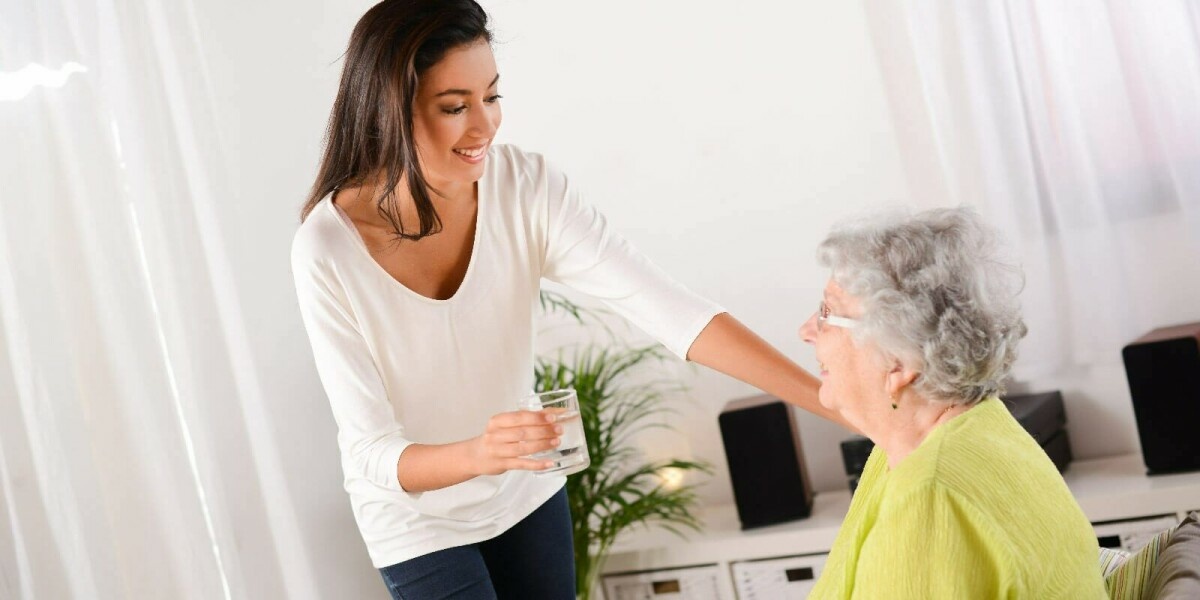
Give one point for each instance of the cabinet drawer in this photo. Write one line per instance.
(700, 582)
(782, 578)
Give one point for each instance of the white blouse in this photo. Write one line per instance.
(400, 367)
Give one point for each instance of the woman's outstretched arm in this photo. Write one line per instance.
(728, 346)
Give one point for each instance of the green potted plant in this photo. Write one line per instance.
(620, 489)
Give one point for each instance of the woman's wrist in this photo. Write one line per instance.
(471, 457)
(428, 467)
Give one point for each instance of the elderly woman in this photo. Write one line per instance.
(915, 334)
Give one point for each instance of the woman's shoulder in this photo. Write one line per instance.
(526, 181)
(988, 436)
(319, 236)
(511, 156)
(513, 166)
(979, 449)
(985, 458)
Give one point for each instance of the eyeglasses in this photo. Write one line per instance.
(825, 318)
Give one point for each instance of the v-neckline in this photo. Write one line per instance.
(480, 206)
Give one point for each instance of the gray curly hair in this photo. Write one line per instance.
(935, 296)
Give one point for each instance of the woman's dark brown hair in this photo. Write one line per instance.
(371, 126)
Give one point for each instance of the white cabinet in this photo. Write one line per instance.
(749, 564)
(1114, 493)
(1131, 534)
(701, 582)
(788, 578)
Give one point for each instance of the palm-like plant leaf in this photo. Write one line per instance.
(616, 491)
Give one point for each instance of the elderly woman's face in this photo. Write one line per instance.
(850, 376)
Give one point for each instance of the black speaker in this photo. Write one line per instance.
(1044, 417)
(855, 452)
(766, 463)
(1042, 414)
(1163, 368)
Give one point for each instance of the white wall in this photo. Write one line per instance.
(723, 142)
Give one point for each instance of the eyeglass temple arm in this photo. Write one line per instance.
(842, 322)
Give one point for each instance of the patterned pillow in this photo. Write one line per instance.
(1129, 579)
(1110, 559)
(1177, 576)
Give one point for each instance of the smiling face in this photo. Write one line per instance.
(852, 376)
(456, 113)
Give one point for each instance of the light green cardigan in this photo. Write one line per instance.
(976, 511)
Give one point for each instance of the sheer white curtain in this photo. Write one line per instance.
(1075, 126)
(135, 458)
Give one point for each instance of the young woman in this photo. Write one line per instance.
(418, 265)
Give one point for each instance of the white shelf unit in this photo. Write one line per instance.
(1115, 493)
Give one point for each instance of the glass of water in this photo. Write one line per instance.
(571, 455)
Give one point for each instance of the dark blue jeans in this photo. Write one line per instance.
(533, 560)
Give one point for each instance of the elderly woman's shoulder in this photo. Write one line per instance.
(981, 451)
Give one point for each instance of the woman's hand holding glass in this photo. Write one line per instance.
(510, 437)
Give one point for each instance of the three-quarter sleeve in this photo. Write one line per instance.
(583, 253)
(370, 438)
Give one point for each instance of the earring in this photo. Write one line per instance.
(892, 397)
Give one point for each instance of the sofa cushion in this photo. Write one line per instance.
(1177, 574)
